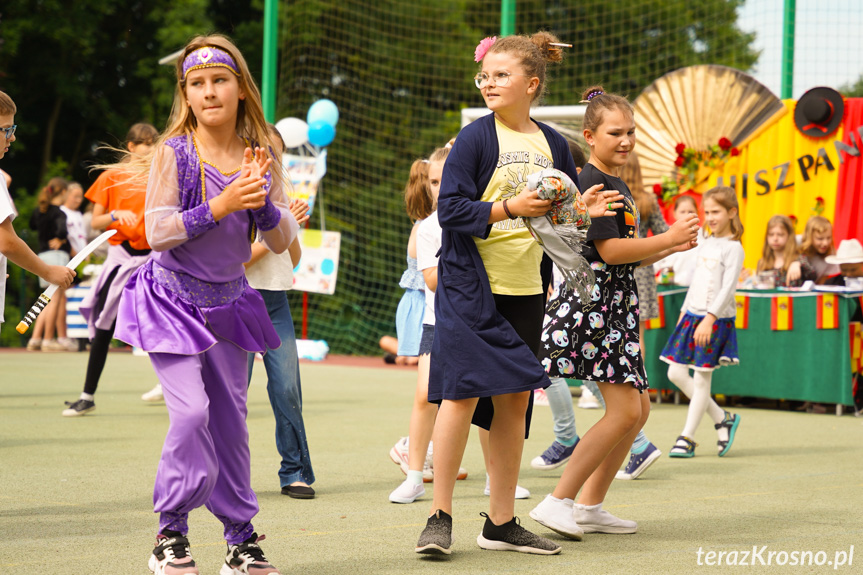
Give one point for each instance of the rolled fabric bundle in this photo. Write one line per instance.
(562, 231)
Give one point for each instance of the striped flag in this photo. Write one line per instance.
(741, 321)
(658, 322)
(782, 313)
(827, 311)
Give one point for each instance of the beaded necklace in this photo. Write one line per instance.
(254, 228)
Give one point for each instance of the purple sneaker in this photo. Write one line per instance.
(638, 463)
(556, 455)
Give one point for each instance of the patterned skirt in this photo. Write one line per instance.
(720, 350)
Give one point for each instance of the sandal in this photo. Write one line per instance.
(687, 450)
(730, 423)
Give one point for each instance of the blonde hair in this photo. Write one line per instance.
(533, 53)
(419, 203)
(440, 155)
(630, 173)
(727, 198)
(816, 225)
(7, 105)
(789, 253)
(598, 103)
(56, 186)
(681, 199)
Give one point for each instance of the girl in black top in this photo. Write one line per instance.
(598, 339)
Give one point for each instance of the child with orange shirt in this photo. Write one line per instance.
(118, 205)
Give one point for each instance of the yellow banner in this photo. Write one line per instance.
(780, 172)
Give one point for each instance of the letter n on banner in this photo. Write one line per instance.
(658, 322)
(782, 313)
(741, 320)
(827, 311)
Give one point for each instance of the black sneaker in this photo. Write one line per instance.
(80, 407)
(436, 538)
(511, 536)
(247, 558)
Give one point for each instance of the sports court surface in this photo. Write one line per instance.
(76, 494)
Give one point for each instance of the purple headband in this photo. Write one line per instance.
(208, 57)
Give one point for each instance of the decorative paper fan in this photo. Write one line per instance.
(697, 106)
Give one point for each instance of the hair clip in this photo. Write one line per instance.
(482, 48)
(594, 94)
(560, 44)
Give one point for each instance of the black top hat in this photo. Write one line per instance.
(819, 112)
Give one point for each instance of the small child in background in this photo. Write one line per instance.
(682, 264)
(74, 217)
(49, 222)
(816, 245)
(705, 338)
(780, 254)
(409, 315)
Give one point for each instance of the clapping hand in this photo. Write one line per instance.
(601, 204)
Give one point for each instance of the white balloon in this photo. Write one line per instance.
(294, 132)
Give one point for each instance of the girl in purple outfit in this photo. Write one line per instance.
(209, 192)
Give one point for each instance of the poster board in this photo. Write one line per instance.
(319, 264)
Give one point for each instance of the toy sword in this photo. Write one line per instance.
(45, 298)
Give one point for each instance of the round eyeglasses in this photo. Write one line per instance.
(499, 78)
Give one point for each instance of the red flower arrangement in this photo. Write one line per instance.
(688, 163)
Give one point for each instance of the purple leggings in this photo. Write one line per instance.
(205, 459)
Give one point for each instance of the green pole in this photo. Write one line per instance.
(788, 26)
(507, 17)
(271, 36)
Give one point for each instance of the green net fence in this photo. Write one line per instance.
(401, 72)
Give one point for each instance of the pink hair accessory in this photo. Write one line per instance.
(483, 47)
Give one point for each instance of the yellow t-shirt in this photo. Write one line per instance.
(510, 254)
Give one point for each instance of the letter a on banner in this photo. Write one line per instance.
(782, 314)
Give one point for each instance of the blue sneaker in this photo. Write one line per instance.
(730, 423)
(639, 462)
(556, 455)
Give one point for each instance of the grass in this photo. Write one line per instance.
(76, 494)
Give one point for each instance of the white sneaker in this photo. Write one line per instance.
(69, 344)
(587, 399)
(407, 492)
(154, 394)
(556, 514)
(593, 519)
(520, 492)
(400, 453)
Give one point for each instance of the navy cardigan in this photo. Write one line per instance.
(475, 348)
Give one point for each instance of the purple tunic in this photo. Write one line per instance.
(189, 295)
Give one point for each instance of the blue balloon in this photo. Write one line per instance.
(321, 133)
(323, 110)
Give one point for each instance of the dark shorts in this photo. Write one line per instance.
(427, 339)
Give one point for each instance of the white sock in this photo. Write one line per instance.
(86, 396)
(415, 477)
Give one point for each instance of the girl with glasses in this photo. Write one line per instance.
(489, 295)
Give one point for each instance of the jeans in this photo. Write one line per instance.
(286, 396)
(560, 401)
